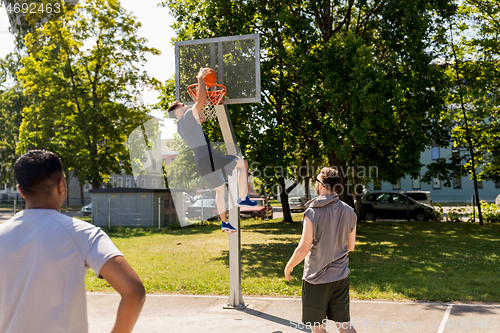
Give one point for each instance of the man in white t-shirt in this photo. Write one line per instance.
(45, 256)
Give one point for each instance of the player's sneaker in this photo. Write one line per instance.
(246, 202)
(228, 228)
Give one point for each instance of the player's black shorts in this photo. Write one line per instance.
(215, 170)
(321, 301)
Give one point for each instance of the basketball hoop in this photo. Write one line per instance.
(214, 97)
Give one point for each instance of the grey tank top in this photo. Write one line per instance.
(333, 221)
(189, 129)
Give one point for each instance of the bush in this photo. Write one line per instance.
(491, 212)
(459, 214)
(438, 213)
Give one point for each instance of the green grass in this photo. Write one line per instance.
(392, 260)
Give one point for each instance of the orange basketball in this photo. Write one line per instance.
(211, 78)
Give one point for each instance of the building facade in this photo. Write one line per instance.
(461, 190)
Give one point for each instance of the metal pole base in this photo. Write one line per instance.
(236, 307)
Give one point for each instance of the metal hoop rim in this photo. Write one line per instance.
(217, 94)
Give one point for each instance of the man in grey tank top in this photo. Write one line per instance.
(213, 167)
(328, 235)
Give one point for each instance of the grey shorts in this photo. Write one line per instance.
(214, 170)
(328, 300)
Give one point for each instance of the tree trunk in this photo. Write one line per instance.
(341, 166)
(67, 193)
(357, 194)
(306, 186)
(96, 184)
(287, 216)
(82, 195)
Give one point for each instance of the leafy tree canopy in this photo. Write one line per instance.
(85, 74)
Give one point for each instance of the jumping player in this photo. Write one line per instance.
(213, 167)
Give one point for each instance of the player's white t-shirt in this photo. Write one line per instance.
(44, 256)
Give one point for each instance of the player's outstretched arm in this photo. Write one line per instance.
(122, 277)
(202, 91)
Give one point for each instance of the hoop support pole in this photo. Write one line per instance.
(235, 300)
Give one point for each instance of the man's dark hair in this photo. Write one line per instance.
(331, 178)
(37, 171)
(172, 107)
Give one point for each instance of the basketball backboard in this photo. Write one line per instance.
(235, 59)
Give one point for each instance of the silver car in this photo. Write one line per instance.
(87, 210)
(420, 196)
(297, 204)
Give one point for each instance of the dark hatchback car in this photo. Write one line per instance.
(262, 210)
(204, 209)
(392, 205)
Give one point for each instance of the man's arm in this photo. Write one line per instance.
(202, 92)
(122, 277)
(352, 240)
(302, 249)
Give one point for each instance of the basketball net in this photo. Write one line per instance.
(214, 97)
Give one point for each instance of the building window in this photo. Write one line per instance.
(435, 153)
(457, 182)
(87, 187)
(127, 182)
(434, 150)
(397, 185)
(3, 188)
(172, 159)
(155, 184)
(436, 183)
(154, 164)
(119, 182)
(111, 183)
(497, 185)
(377, 185)
(416, 183)
(479, 184)
(143, 183)
(13, 189)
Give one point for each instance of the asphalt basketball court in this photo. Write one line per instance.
(200, 313)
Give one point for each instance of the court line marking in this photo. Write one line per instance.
(298, 299)
(445, 319)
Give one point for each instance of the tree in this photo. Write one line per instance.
(472, 45)
(376, 99)
(476, 60)
(84, 72)
(352, 80)
(12, 102)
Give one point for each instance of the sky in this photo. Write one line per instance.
(156, 22)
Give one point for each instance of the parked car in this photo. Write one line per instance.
(262, 210)
(297, 204)
(87, 210)
(420, 196)
(394, 205)
(188, 200)
(210, 211)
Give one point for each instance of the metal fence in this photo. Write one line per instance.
(17, 203)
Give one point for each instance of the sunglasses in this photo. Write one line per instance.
(319, 181)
